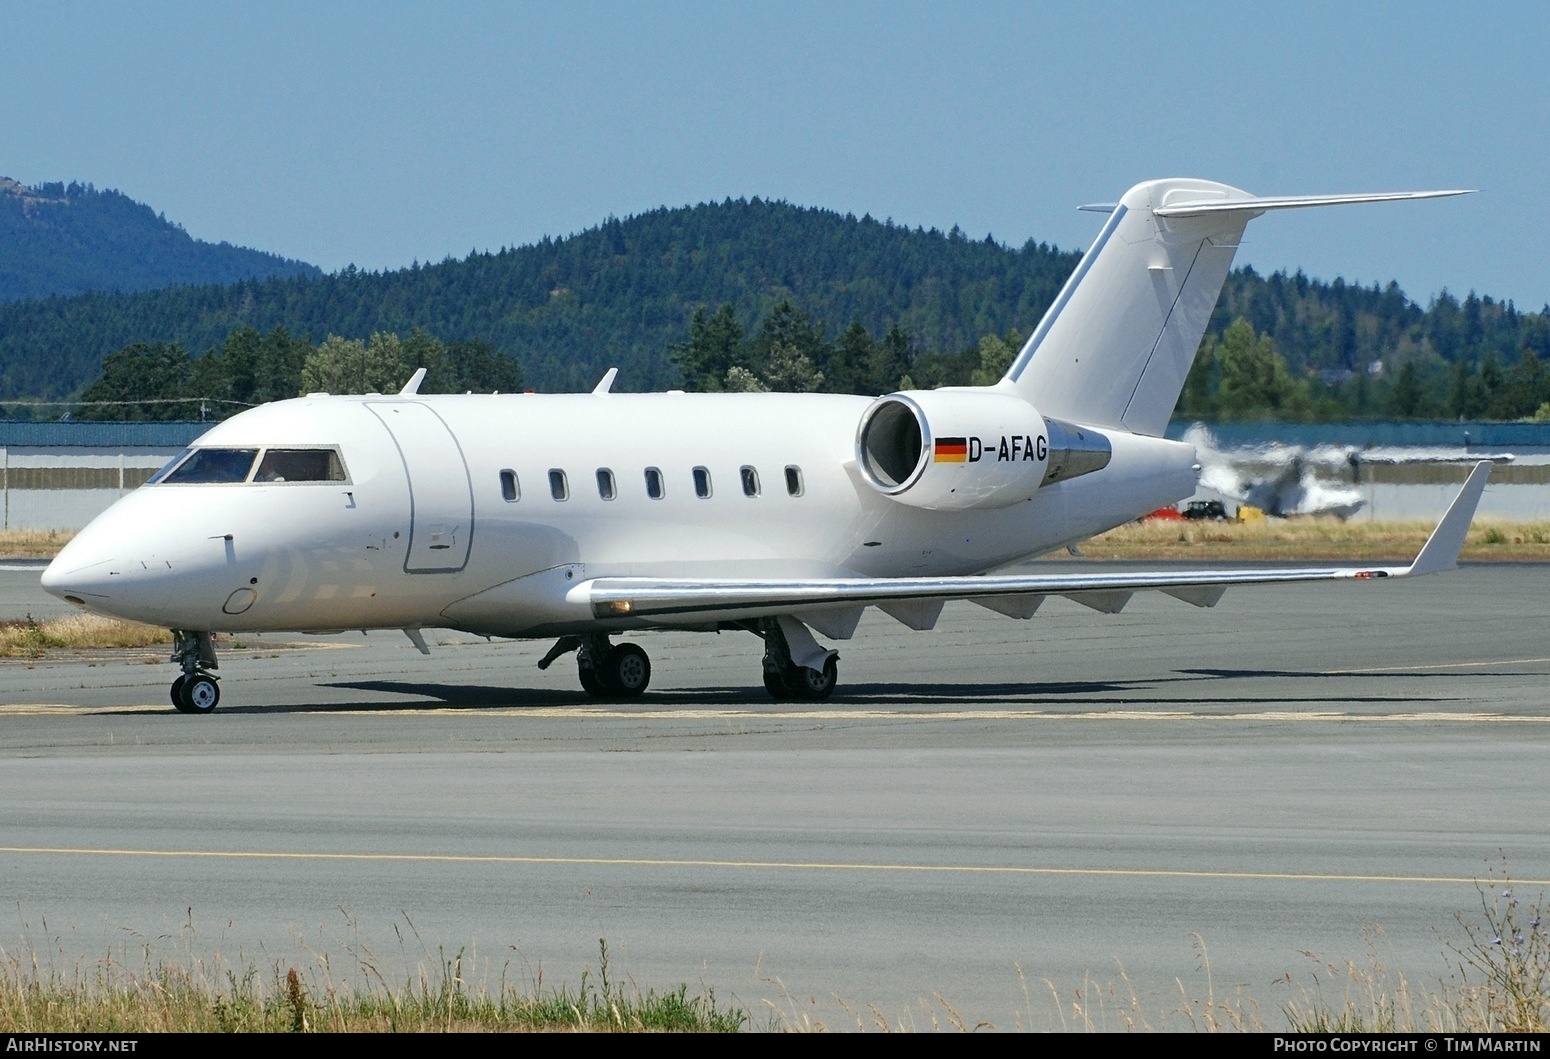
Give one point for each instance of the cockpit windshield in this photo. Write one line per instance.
(300, 465)
(232, 466)
(205, 466)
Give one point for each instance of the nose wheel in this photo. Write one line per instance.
(612, 671)
(197, 694)
(196, 691)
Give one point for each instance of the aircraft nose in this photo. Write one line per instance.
(125, 588)
(101, 584)
(72, 580)
(56, 582)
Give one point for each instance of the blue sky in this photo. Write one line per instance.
(383, 133)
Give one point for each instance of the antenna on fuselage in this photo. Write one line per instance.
(412, 387)
(606, 383)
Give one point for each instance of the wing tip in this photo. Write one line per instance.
(1442, 548)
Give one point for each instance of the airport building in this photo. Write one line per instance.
(62, 475)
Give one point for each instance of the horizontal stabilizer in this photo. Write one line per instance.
(1263, 203)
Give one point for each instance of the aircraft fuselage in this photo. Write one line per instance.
(450, 512)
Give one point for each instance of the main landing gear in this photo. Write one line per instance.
(795, 667)
(607, 670)
(196, 691)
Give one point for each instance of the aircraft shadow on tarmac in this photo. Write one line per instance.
(1287, 688)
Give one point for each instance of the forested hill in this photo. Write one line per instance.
(567, 309)
(66, 239)
(624, 293)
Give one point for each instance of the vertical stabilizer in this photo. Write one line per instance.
(1114, 348)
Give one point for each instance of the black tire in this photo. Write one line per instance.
(775, 684)
(199, 694)
(816, 684)
(177, 694)
(629, 670)
(591, 681)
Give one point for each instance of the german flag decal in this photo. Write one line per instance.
(951, 450)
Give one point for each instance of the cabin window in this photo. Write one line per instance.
(654, 483)
(794, 480)
(213, 466)
(702, 483)
(511, 489)
(300, 465)
(559, 488)
(605, 483)
(750, 481)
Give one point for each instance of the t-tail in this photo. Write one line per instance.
(1114, 349)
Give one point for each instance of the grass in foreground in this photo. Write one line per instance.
(1498, 980)
(173, 999)
(1499, 983)
(30, 638)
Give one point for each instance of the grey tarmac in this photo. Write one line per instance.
(1080, 799)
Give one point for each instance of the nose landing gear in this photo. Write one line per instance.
(196, 691)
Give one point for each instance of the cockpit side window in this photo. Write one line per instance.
(300, 465)
(209, 466)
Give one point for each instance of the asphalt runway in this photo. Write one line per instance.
(1080, 799)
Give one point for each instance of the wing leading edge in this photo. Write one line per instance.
(1017, 595)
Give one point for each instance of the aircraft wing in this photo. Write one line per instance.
(917, 600)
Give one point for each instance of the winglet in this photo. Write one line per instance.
(1441, 551)
(412, 387)
(606, 383)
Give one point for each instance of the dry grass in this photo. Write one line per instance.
(207, 997)
(1313, 539)
(33, 544)
(30, 638)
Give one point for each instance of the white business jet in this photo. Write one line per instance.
(583, 516)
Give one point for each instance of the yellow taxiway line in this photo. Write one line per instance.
(656, 862)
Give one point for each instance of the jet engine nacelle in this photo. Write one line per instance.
(952, 449)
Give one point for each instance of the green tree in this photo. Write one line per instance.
(790, 371)
(1255, 382)
(996, 356)
(788, 327)
(1204, 380)
(846, 371)
(1408, 399)
(714, 346)
(348, 365)
(479, 367)
(891, 360)
(140, 382)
